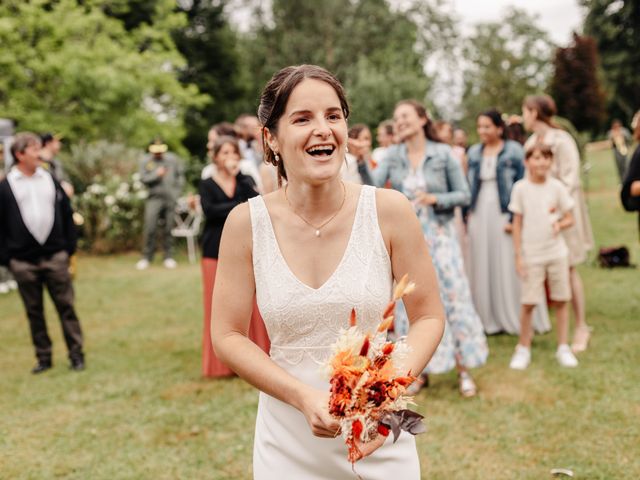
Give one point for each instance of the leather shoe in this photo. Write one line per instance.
(41, 367)
(77, 365)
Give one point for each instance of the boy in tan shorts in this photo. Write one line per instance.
(542, 208)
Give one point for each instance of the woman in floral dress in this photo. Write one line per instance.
(425, 170)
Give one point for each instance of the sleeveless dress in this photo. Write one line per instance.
(303, 323)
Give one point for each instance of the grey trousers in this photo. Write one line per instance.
(156, 210)
(52, 272)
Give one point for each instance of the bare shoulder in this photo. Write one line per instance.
(271, 197)
(237, 227)
(392, 205)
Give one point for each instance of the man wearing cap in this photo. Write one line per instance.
(37, 236)
(163, 174)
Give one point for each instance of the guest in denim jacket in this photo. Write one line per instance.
(425, 170)
(495, 165)
(444, 180)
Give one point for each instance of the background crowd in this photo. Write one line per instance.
(462, 195)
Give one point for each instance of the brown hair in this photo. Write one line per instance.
(21, 141)
(274, 98)
(544, 106)
(224, 129)
(544, 149)
(356, 130)
(221, 142)
(387, 126)
(429, 130)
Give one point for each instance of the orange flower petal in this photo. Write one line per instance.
(352, 318)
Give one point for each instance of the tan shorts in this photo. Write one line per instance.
(556, 272)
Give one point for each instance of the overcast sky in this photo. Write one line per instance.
(558, 17)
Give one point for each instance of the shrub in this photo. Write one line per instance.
(90, 163)
(113, 214)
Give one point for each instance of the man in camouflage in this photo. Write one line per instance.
(163, 174)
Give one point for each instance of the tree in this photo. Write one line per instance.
(213, 64)
(616, 29)
(575, 85)
(71, 68)
(377, 52)
(507, 60)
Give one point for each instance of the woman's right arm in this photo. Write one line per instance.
(233, 297)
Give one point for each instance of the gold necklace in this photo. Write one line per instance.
(317, 229)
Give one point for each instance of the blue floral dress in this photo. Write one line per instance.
(464, 335)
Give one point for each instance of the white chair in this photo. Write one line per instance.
(187, 225)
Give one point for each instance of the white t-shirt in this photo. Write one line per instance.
(541, 205)
(349, 171)
(378, 154)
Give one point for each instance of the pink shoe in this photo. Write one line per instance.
(581, 339)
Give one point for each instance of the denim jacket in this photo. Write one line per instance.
(442, 172)
(509, 169)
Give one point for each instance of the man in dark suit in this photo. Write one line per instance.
(37, 236)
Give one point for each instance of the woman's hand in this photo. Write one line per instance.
(315, 409)
(508, 228)
(368, 448)
(425, 198)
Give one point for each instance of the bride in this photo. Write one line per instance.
(311, 252)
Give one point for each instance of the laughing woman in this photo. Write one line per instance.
(311, 252)
(425, 170)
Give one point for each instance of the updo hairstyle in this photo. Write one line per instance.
(274, 98)
(544, 106)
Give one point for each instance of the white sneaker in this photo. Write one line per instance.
(4, 288)
(142, 264)
(12, 284)
(521, 358)
(565, 356)
(169, 263)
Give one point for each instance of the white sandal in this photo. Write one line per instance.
(468, 387)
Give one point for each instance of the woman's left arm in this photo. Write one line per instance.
(410, 255)
(458, 194)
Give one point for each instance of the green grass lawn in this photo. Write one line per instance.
(142, 411)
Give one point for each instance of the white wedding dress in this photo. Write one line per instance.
(303, 323)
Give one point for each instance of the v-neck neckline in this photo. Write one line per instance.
(235, 189)
(342, 259)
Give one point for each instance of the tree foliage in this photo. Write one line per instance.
(575, 85)
(74, 69)
(376, 51)
(506, 60)
(209, 47)
(616, 29)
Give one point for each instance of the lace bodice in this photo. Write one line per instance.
(304, 322)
